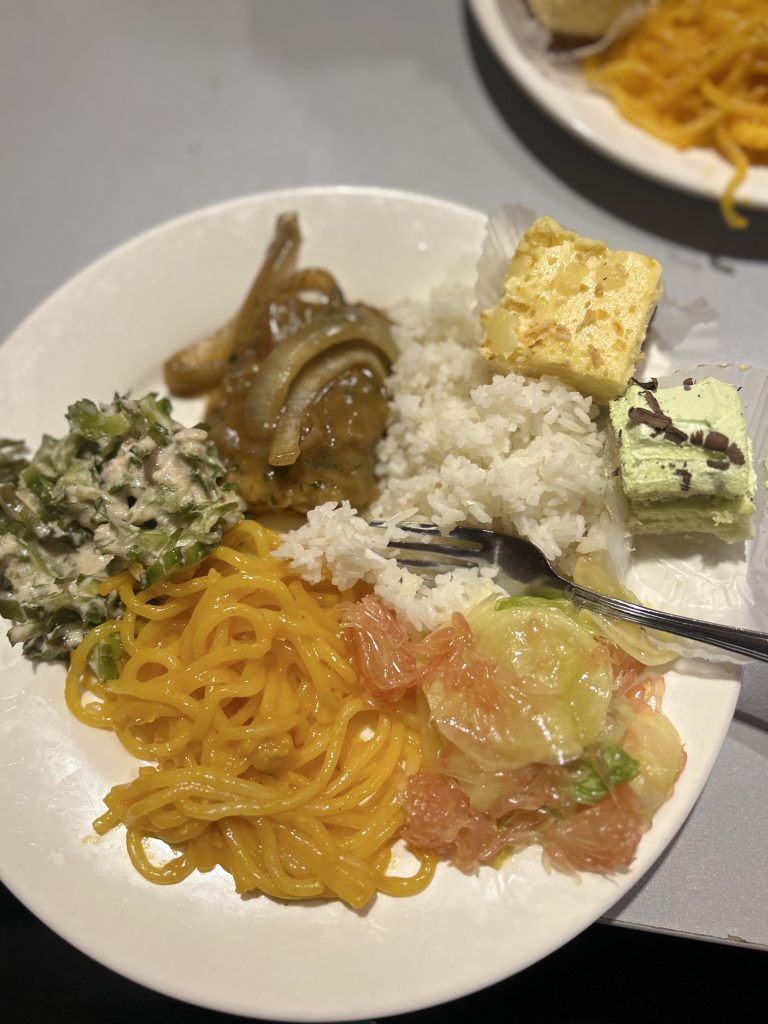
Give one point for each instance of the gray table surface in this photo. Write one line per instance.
(116, 115)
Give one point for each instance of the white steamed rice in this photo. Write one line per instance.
(337, 539)
(464, 447)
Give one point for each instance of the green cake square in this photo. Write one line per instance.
(685, 459)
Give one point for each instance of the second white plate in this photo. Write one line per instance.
(565, 96)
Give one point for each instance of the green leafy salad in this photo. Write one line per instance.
(126, 488)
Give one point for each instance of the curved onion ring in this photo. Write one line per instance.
(201, 365)
(308, 386)
(313, 279)
(290, 306)
(284, 363)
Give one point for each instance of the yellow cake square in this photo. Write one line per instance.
(574, 309)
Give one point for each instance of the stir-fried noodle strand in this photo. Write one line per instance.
(270, 759)
(695, 73)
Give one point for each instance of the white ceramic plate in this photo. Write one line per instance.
(564, 95)
(109, 328)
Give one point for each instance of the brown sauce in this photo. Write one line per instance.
(339, 436)
(295, 385)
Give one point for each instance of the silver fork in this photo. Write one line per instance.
(523, 568)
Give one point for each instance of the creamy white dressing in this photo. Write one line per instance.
(122, 469)
(108, 503)
(87, 561)
(8, 545)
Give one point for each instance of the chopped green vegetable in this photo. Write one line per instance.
(127, 487)
(13, 458)
(591, 778)
(105, 658)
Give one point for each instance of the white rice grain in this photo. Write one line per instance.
(464, 447)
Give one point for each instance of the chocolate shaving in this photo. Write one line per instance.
(653, 404)
(650, 385)
(718, 463)
(716, 442)
(685, 479)
(735, 454)
(688, 383)
(675, 434)
(697, 437)
(651, 419)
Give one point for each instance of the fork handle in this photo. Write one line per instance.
(746, 642)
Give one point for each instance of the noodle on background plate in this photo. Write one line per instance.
(695, 73)
(271, 761)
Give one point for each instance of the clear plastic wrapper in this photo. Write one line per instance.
(538, 39)
(506, 226)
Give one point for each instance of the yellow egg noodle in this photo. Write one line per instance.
(695, 73)
(271, 761)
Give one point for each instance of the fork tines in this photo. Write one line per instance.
(454, 549)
